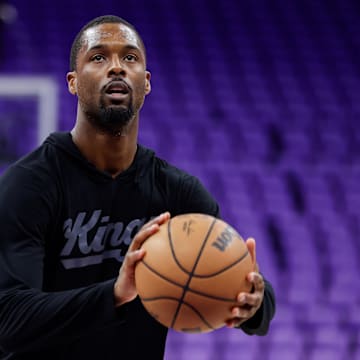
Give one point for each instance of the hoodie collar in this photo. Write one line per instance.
(64, 142)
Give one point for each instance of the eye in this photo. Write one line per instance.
(130, 57)
(97, 58)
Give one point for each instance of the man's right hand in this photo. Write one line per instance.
(124, 288)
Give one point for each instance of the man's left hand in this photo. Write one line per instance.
(248, 303)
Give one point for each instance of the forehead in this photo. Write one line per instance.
(112, 32)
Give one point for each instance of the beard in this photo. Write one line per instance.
(112, 120)
(115, 120)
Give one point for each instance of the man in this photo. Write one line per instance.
(79, 207)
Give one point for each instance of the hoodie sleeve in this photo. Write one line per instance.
(31, 319)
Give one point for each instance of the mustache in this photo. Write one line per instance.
(117, 81)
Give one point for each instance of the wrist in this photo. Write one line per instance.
(118, 299)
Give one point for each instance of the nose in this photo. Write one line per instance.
(116, 67)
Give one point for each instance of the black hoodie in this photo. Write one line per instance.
(65, 228)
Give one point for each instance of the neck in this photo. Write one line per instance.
(107, 152)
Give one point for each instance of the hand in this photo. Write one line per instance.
(124, 288)
(248, 303)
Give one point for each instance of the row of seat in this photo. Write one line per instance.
(298, 78)
(284, 342)
(231, 146)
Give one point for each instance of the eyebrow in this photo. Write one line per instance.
(104, 46)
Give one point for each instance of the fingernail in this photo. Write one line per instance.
(242, 298)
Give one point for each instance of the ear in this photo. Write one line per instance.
(72, 82)
(251, 245)
(147, 82)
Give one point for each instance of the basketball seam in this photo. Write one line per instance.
(223, 269)
(194, 275)
(184, 303)
(182, 286)
(186, 286)
(161, 275)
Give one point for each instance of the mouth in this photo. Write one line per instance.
(117, 90)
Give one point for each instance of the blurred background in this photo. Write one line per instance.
(261, 100)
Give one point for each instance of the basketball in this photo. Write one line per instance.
(193, 270)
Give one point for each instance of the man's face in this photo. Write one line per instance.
(110, 80)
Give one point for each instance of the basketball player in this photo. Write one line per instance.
(70, 209)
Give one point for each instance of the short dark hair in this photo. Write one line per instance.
(105, 19)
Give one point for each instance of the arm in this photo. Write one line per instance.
(31, 319)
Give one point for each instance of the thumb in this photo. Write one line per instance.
(134, 256)
(251, 245)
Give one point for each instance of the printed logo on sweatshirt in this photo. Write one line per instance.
(108, 240)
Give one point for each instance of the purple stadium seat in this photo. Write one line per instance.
(330, 337)
(323, 314)
(328, 353)
(188, 346)
(238, 345)
(283, 352)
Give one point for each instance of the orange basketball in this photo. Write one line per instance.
(193, 270)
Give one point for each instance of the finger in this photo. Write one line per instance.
(257, 280)
(250, 301)
(142, 235)
(237, 312)
(161, 219)
(258, 287)
(235, 322)
(130, 260)
(134, 256)
(240, 314)
(251, 246)
(148, 229)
